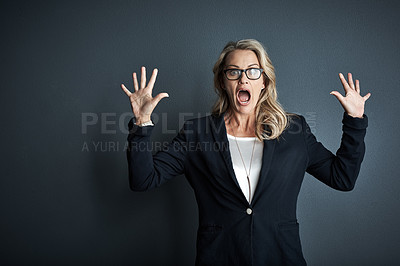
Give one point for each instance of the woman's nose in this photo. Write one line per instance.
(243, 78)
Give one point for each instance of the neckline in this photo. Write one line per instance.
(241, 138)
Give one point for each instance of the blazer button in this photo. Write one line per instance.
(249, 211)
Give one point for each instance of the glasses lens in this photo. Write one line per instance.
(253, 73)
(233, 73)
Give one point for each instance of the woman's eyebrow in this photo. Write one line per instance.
(232, 66)
(255, 64)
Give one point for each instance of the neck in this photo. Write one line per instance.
(240, 125)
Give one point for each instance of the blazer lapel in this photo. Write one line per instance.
(268, 151)
(218, 130)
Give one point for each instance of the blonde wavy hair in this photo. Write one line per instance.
(271, 119)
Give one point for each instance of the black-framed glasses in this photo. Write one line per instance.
(235, 74)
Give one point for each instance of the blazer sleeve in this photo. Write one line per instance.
(147, 171)
(338, 171)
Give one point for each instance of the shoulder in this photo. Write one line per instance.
(293, 117)
(295, 120)
(296, 124)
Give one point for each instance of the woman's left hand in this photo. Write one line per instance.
(353, 103)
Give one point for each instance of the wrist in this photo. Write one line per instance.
(142, 120)
(145, 124)
(356, 115)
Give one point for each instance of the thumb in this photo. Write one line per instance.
(159, 96)
(337, 95)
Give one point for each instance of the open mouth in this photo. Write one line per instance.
(243, 97)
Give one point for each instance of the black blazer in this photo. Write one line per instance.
(231, 230)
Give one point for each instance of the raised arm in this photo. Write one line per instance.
(340, 171)
(147, 171)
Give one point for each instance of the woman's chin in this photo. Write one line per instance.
(245, 108)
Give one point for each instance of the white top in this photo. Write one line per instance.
(246, 148)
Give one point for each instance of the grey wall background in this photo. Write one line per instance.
(64, 203)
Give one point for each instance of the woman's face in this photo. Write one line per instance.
(244, 92)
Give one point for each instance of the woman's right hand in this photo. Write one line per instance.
(142, 101)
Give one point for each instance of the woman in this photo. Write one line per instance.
(246, 162)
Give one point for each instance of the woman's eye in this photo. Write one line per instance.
(234, 72)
